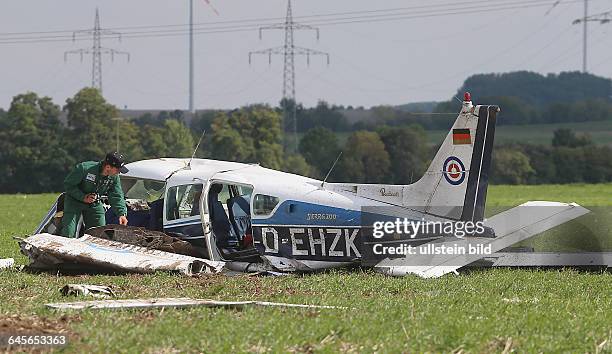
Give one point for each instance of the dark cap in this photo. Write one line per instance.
(115, 159)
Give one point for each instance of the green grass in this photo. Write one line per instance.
(539, 134)
(21, 214)
(591, 232)
(477, 311)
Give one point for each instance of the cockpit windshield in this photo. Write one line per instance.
(142, 189)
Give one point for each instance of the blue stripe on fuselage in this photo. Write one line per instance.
(292, 212)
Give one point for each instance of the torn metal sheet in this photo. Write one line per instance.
(48, 251)
(511, 227)
(87, 290)
(6, 263)
(174, 303)
(140, 236)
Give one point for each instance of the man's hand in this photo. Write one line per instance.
(123, 220)
(89, 198)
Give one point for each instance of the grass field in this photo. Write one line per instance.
(477, 311)
(539, 134)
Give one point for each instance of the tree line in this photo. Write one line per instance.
(571, 158)
(41, 141)
(525, 97)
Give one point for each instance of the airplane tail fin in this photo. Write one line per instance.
(455, 184)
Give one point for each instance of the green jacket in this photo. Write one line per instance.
(87, 178)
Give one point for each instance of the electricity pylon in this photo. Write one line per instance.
(289, 50)
(96, 51)
(602, 18)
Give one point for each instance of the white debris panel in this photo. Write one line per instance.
(99, 291)
(48, 251)
(181, 302)
(6, 263)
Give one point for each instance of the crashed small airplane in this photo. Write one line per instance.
(248, 217)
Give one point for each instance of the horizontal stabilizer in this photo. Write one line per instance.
(511, 226)
(552, 259)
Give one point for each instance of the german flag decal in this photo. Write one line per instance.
(461, 137)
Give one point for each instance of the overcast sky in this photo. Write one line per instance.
(371, 63)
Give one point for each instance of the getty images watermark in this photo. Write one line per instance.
(406, 237)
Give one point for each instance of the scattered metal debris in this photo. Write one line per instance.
(50, 252)
(6, 263)
(87, 289)
(174, 303)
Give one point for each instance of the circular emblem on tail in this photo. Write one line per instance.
(454, 170)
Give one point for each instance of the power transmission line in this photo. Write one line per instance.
(334, 19)
(602, 18)
(289, 51)
(410, 9)
(96, 51)
(191, 102)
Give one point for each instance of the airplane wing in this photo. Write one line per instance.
(511, 226)
(48, 251)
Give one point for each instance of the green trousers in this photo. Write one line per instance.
(93, 215)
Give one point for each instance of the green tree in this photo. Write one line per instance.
(95, 128)
(153, 143)
(249, 134)
(568, 138)
(33, 157)
(90, 119)
(599, 165)
(543, 165)
(407, 148)
(569, 164)
(178, 139)
(322, 115)
(203, 122)
(227, 143)
(366, 159)
(510, 166)
(319, 146)
(295, 163)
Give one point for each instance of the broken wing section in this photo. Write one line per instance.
(48, 252)
(511, 226)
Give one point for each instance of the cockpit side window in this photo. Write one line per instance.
(264, 204)
(183, 201)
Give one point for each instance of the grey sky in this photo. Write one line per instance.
(388, 62)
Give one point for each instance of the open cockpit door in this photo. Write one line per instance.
(227, 218)
(181, 213)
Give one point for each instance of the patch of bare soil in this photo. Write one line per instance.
(21, 325)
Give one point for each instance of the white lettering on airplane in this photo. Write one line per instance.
(264, 237)
(350, 243)
(318, 216)
(385, 193)
(320, 241)
(326, 242)
(297, 241)
(332, 249)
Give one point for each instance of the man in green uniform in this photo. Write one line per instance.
(84, 186)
